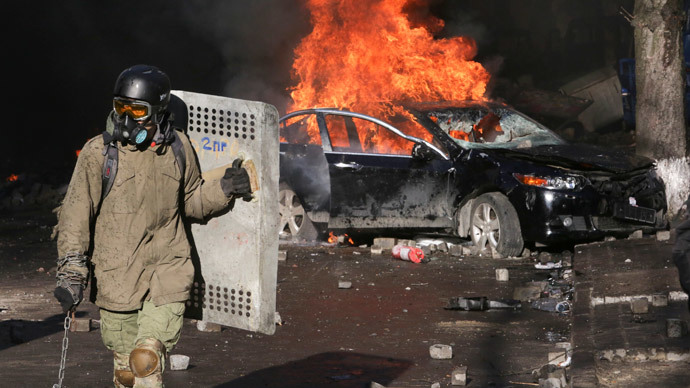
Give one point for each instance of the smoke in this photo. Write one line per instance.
(256, 41)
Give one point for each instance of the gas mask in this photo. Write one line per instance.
(130, 119)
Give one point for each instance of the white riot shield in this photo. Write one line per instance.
(237, 252)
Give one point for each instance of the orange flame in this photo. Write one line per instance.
(12, 178)
(332, 238)
(368, 56)
(77, 152)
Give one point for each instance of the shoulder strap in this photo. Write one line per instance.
(110, 162)
(178, 150)
(109, 168)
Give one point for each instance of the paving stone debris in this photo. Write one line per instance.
(455, 250)
(635, 235)
(208, 327)
(527, 293)
(639, 306)
(179, 362)
(663, 235)
(282, 255)
(441, 352)
(459, 376)
(385, 242)
(557, 357)
(659, 300)
(676, 328)
(80, 324)
(495, 254)
(376, 250)
(502, 275)
(344, 284)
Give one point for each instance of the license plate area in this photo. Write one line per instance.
(627, 212)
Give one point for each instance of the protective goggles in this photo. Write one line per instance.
(138, 110)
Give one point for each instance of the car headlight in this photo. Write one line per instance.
(568, 182)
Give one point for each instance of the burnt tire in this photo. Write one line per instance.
(294, 223)
(494, 223)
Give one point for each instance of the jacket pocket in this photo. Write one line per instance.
(169, 190)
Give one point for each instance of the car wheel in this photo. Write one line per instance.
(294, 222)
(494, 223)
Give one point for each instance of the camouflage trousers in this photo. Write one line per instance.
(122, 332)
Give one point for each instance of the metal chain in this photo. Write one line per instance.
(63, 356)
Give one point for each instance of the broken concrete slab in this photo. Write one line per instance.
(441, 352)
(282, 255)
(376, 250)
(459, 376)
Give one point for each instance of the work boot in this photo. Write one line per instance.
(147, 362)
(122, 375)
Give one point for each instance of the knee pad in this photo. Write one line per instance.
(122, 375)
(145, 359)
(125, 378)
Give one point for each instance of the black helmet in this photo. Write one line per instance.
(141, 95)
(144, 83)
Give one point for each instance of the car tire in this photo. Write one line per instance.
(494, 223)
(294, 223)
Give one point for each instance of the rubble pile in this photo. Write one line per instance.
(22, 192)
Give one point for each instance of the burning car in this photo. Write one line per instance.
(473, 169)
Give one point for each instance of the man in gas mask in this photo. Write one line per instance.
(128, 197)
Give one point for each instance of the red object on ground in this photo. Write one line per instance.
(413, 254)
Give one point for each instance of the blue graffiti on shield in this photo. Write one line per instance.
(213, 145)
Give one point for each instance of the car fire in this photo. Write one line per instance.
(393, 129)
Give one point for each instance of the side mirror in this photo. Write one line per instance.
(421, 152)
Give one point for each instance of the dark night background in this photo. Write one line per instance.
(64, 57)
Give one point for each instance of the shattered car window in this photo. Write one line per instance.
(376, 139)
(498, 128)
(300, 130)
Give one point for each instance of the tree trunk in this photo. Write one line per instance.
(659, 75)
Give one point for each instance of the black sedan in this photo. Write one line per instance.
(471, 169)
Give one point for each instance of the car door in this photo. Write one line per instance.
(375, 181)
